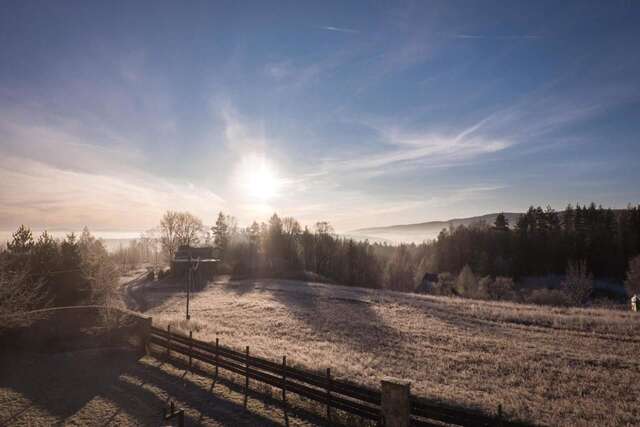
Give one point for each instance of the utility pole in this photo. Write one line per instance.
(189, 271)
(193, 268)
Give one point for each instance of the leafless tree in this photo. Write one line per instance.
(189, 229)
(169, 232)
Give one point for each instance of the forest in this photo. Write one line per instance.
(587, 241)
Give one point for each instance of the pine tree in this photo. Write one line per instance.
(501, 223)
(19, 249)
(221, 234)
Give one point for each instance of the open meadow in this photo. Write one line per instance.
(552, 366)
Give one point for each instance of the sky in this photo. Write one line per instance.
(359, 113)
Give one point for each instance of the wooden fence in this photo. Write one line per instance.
(343, 395)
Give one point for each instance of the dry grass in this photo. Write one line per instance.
(553, 366)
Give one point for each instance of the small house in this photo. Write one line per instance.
(201, 261)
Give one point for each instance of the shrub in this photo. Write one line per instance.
(633, 276)
(445, 284)
(578, 283)
(466, 283)
(502, 288)
(548, 297)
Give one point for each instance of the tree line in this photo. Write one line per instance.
(36, 273)
(543, 242)
(480, 260)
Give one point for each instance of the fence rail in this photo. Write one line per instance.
(343, 395)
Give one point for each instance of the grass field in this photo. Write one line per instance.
(548, 365)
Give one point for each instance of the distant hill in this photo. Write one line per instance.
(422, 231)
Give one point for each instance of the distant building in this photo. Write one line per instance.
(429, 281)
(202, 261)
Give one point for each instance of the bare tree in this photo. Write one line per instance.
(189, 229)
(179, 228)
(169, 232)
(104, 285)
(151, 242)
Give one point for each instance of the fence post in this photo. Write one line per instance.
(395, 402)
(190, 348)
(215, 378)
(145, 336)
(246, 377)
(217, 351)
(169, 341)
(329, 395)
(284, 390)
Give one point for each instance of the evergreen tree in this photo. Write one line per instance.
(19, 249)
(71, 287)
(221, 234)
(501, 223)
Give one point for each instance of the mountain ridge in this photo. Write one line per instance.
(489, 218)
(421, 231)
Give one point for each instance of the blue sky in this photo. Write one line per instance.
(360, 113)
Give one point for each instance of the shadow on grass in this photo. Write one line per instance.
(66, 385)
(257, 391)
(333, 313)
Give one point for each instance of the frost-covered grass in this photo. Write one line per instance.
(554, 366)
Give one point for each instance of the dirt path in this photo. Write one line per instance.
(131, 291)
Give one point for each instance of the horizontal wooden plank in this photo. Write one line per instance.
(337, 386)
(300, 389)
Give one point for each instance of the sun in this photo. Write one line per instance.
(258, 178)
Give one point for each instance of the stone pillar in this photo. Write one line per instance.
(395, 402)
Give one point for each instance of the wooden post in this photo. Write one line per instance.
(215, 378)
(173, 414)
(499, 415)
(329, 395)
(395, 402)
(190, 348)
(217, 358)
(284, 390)
(169, 341)
(246, 377)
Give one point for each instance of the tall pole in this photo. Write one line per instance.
(188, 287)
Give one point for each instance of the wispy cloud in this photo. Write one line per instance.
(42, 196)
(338, 29)
(400, 147)
(55, 175)
(497, 37)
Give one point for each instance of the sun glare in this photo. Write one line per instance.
(258, 178)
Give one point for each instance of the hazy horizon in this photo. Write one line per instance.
(388, 236)
(411, 112)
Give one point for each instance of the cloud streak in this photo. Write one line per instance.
(497, 37)
(338, 29)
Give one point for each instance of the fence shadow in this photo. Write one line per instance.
(76, 385)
